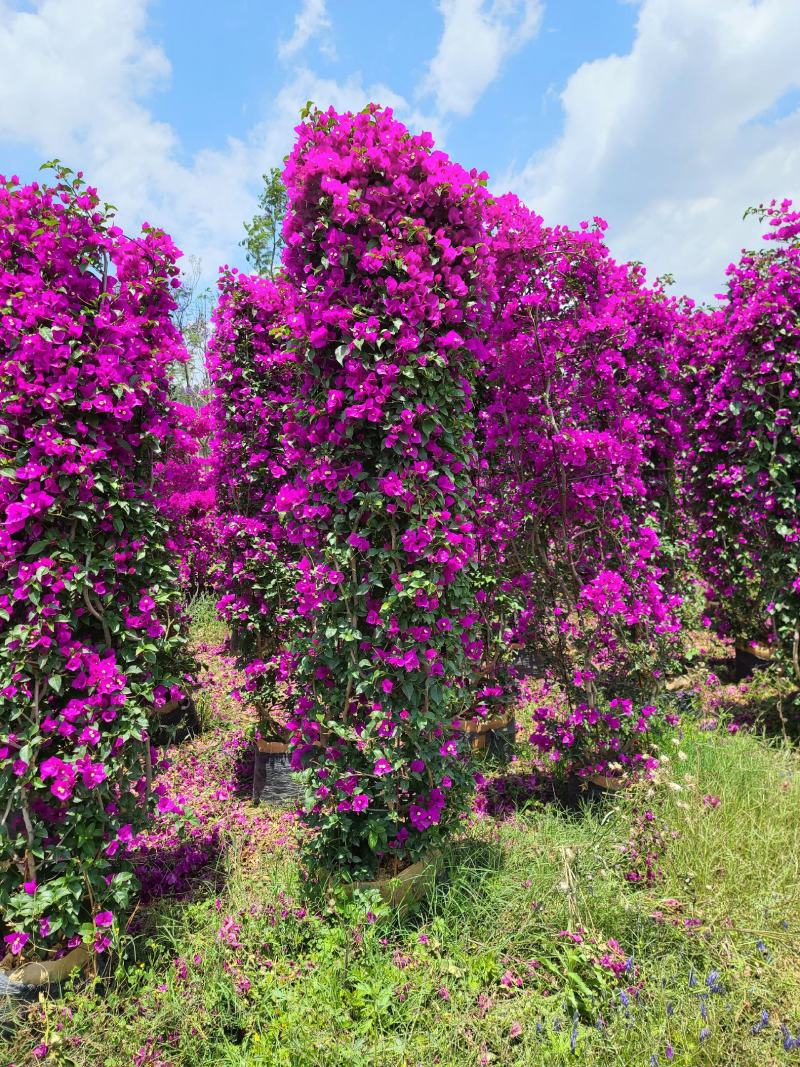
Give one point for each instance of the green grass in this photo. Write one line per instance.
(204, 622)
(337, 989)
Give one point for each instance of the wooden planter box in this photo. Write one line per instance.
(759, 651)
(605, 781)
(495, 735)
(29, 980)
(406, 888)
(750, 658)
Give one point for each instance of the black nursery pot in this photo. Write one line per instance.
(274, 781)
(175, 721)
(500, 741)
(526, 662)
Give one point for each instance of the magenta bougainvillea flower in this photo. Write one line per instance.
(743, 467)
(91, 628)
(255, 390)
(346, 459)
(579, 429)
(186, 493)
(444, 431)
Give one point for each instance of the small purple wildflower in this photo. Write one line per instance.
(714, 983)
(762, 948)
(757, 1027)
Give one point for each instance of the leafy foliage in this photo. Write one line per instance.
(744, 465)
(386, 254)
(579, 429)
(262, 242)
(92, 637)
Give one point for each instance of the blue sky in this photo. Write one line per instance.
(391, 50)
(667, 117)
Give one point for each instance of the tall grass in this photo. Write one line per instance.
(710, 946)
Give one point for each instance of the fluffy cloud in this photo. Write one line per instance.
(87, 99)
(92, 107)
(477, 39)
(310, 21)
(70, 67)
(672, 141)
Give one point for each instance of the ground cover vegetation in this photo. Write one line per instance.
(457, 475)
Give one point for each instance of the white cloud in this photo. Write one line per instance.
(310, 21)
(666, 142)
(91, 110)
(478, 37)
(670, 142)
(72, 66)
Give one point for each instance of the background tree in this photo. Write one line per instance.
(264, 238)
(192, 316)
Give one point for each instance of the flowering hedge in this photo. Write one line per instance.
(744, 466)
(254, 382)
(186, 494)
(577, 430)
(91, 634)
(387, 255)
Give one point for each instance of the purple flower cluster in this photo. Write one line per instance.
(347, 426)
(185, 490)
(443, 431)
(579, 431)
(255, 386)
(743, 467)
(91, 632)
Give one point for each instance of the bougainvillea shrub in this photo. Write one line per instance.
(254, 377)
(91, 631)
(386, 250)
(575, 439)
(186, 494)
(745, 462)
